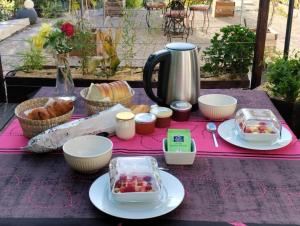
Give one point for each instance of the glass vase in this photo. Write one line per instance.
(64, 81)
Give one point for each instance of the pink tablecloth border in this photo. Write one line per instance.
(12, 139)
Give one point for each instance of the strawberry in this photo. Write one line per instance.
(123, 177)
(129, 189)
(247, 130)
(118, 184)
(148, 188)
(262, 129)
(122, 189)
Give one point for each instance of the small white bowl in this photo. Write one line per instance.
(217, 106)
(179, 158)
(88, 154)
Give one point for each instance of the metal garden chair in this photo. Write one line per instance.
(151, 5)
(204, 7)
(176, 20)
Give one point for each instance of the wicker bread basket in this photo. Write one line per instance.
(33, 127)
(93, 107)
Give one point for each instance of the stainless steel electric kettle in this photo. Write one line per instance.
(178, 75)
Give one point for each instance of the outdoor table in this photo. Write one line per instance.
(229, 186)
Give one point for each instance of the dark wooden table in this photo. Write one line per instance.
(43, 190)
(6, 113)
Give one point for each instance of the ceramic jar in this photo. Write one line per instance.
(125, 127)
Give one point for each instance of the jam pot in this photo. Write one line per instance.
(181, 110)
(163, 116)
(145, 123)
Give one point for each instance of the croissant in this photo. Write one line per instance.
(53, 108)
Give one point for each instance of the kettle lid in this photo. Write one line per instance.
(181, 46)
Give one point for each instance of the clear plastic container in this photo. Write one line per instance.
(259, 125)
(134, 179)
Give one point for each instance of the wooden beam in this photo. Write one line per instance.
(288, 29)
(261, 33)
(2, 85)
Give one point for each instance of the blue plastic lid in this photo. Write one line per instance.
(180, 46)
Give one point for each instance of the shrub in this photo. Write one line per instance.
(7, 9)
(231, 51)
(283, 76)
(132, 4)
(33, 59)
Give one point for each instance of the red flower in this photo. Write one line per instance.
(68, 29)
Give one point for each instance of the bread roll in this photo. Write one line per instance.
(53, 108)
(114, 91)
(120, 89)
(125, 89)
(143, 108)
(105, 91)
(61, 107)
(39, 113)
(93, 93)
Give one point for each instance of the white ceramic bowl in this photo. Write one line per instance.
(88, 154)
(217, 106)
(179, 158)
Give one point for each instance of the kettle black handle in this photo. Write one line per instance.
(164, 58)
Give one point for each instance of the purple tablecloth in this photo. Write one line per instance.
(227, 190)
(217, 190)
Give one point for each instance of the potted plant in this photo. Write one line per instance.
(32, 60)
(283, 77)
(230, 55)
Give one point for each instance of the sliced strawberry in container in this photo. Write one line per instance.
(148, 188)
(129, 189)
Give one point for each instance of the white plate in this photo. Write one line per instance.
(171, 197)
(229, 133)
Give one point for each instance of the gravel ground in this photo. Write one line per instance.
(151, 40)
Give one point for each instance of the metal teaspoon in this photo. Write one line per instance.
(211, 127)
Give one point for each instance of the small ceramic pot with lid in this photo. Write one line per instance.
(145, 123)
(163, 116)
(125, 128)
(181, 110)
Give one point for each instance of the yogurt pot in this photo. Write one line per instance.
(145, 123)
(125, 127)
(163, 116)
(181, 110)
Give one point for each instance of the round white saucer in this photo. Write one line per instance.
(171, 197)
(229, 133)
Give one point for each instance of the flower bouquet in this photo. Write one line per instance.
(58, 40)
